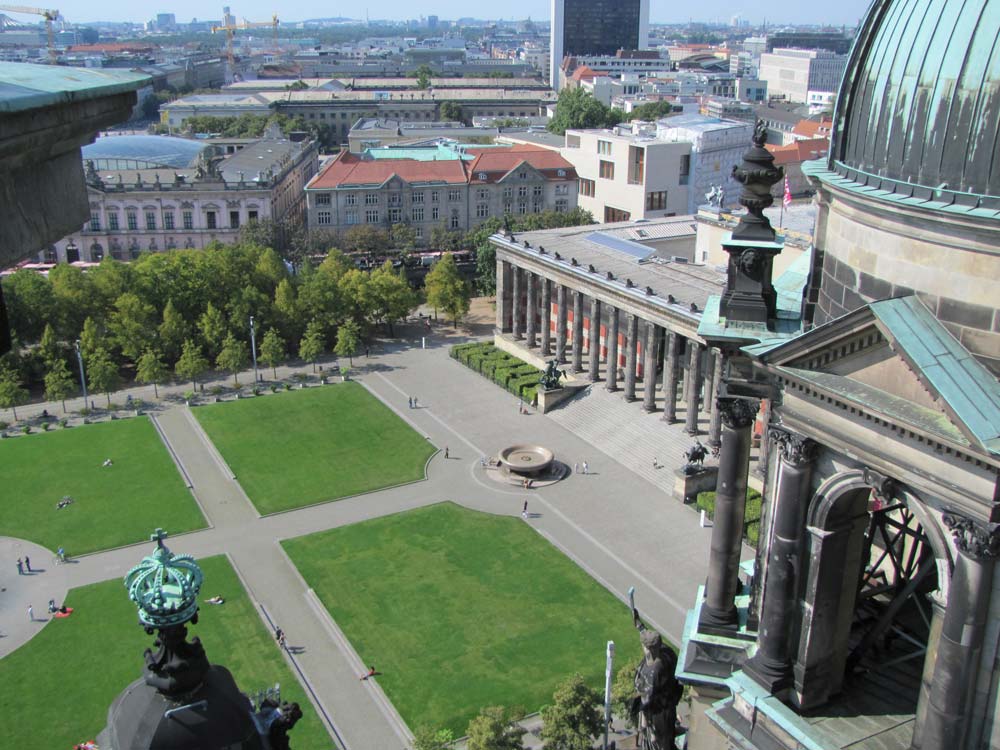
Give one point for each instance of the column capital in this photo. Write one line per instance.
(737, 413)
(977, 540)
(796, 449)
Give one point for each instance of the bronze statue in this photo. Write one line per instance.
(695, 456)
(550, 378)
(654, 709)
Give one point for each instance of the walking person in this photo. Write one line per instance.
(415, 402)
(446, 452)
(410, 401)
(31, 613)
(20, 567)
(524, 510)
(279, 636)
(586, 469)
(27, 564)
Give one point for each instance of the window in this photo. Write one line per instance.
(113, 222)
(95, 222)
(131, 220)
(586, 187)
(435, 213)
(636, 165)
(168, 220)
(418, 232)
(371, 199)
(417, 214)
(685, 169)
(536, 191)
(395, 215)
(395, 199)
(454, 218)
(351, 218)
(72, 253)
(234, 219)
(482, 176)
(251, 216)
(656, 201)
(522, 208)
(210, 220)
(506, 207)
(508, 193)
(483, 195)
(188, 218)
(612, 215)
(322, 199)
(350, 199)
(560, 173)
(522, 191)
(324, 218)
(435, 196)
(417, 198)
(562, 205)
(562, 189)
(604, 147)
(371, 216)
(522, 175)
(606, 170)
(482, 210)
(454, 196)
(536, 207)
(150, 220)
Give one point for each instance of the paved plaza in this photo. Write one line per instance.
(618, 522)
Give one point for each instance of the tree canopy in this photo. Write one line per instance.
(447, 290)
(574, 718)
(576, 109)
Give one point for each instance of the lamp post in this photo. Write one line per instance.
(83, 379)
(253, 351)
(608, 669)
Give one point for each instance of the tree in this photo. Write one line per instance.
(174, 331)
(59, 383)
(270, 271)
(623, 691)
(495, 728)
(348, 338)
(446, 290)
(574, 719)
(192, 363)
(287, 311)
(313, 343)
(423, 75)
(233, 356)
(426, 738)
(213, 328)
(151, 369)
(451, 112)
(390, 297)
(576, 109)
(272, 350)
(12, 393)
(30, 303)
(73, 297)
(486, 269)
(49, 347)
(102, 374)
(92, 339)
(366, 238)
(403, 237)
(132, 325)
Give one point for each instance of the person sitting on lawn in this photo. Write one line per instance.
(67, 500)
(216, 600)
(371, 672)
(107, 462)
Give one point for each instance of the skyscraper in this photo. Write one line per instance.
(595, 27)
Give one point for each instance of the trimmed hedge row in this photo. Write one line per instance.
(751, 521)
(506, 370)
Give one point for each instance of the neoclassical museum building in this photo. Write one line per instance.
(869, 614)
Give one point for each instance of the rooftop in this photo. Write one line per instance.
(24, 86)
(350, 170)
(153, 150)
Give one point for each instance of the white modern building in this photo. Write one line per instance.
(794, 73)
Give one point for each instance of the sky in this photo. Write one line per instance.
(661, 11)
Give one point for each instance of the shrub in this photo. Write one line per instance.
(3, 425)
(64, 422)
(189, 395)
(26, 429)
(274, 388)
(84, 412)
(45, 426)
(751, 521)
(216, 390)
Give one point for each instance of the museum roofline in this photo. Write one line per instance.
(25, 86)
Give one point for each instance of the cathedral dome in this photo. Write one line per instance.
(919, 106)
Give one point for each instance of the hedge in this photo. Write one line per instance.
(506, 370)
(751, 521)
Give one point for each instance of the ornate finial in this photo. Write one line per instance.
(978, 541)
(796, 449)
(164, 586)
(757, 174)
(158, 536)
(737, 413)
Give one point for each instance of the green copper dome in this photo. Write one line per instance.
(919, 105)
(164, 586)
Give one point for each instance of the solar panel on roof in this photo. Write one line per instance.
(634, 249)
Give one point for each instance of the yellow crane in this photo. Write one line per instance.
(261, 24)
(232, 28)
(49, 16)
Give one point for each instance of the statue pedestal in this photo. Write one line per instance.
(548, 399)
(687, 486)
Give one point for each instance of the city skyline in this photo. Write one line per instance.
(848, 12)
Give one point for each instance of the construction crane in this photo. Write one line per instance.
(231, 28)
(49, 16)
(261, 24)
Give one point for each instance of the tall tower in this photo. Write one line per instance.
(595, 27)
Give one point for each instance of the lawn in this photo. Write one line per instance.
(303, 447)
(60, 684)
(460, 610)
(113, 505)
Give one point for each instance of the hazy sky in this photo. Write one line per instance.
(662, 11)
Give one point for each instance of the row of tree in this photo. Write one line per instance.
(577, 109)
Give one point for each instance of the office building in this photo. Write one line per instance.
(595, 27)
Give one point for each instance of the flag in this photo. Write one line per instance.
(787, 199)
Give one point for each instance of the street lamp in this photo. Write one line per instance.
(607, 689)
(253, 351)
(83, 380)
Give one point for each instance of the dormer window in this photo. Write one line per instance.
(482, 176)
(561, 172)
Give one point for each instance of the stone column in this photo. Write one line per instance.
(959, 648)
(718, 611)
(693, 387)
(711, 384)
(715, 423)
(631, 348)
(546, 317)
(517, 316)
(561, 324)
(612, 339)
(595, 339)
(674, 343)
(503, 296)
(532, 314)
(771, 667)
(577, 332)
(649, 367)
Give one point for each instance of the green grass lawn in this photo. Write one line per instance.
(113, 505)
(303, 447)
(60, 684)
(461, 610)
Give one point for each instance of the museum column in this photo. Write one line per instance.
(674, 343)
(561, 323)
(631, 347)
(532, 314)
(517, 316)
(715, 423)
(649, 367)
(503, 296)
(612, 340)
(546, 317)
(594, 344)
(693, 386)
(718, 611)
(959, 648)
(771, 666)
(577, 331)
